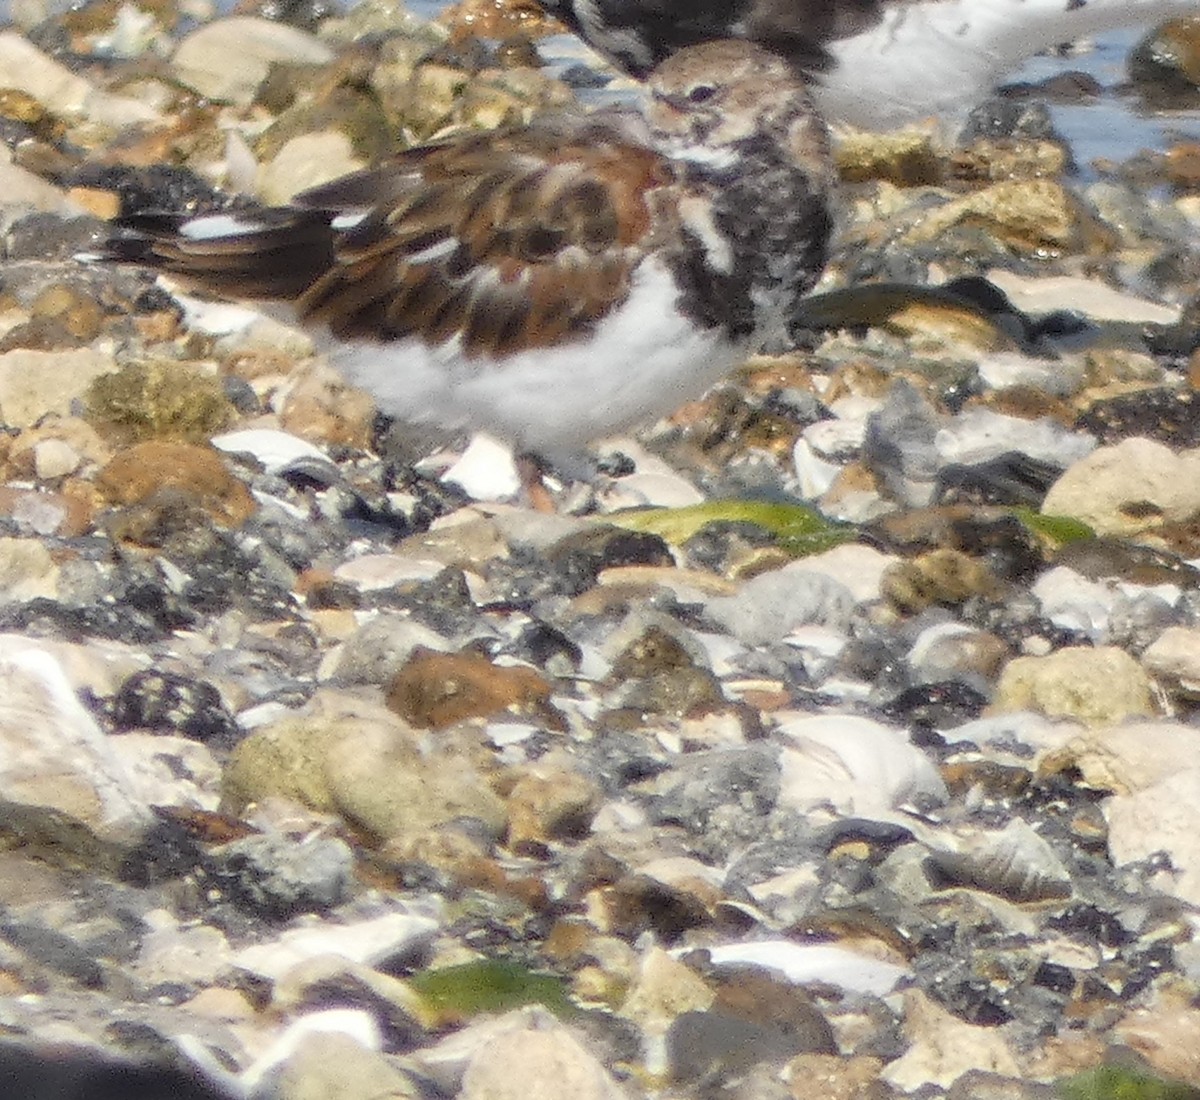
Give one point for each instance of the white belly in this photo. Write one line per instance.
(642, 361)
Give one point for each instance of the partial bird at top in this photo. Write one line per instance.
(878, 64)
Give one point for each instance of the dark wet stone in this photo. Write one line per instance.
(1010, 117)
(277, 878)
(1171, 416)
(1100, 558)
(60, 1073)
(151, 189)
(307, 15)
(1165, 65)
(1011, 478)
(546, 646)
(655, 674)
(978, 1084)
(637, 904)
(1069, 87)
(167, 702)
(1007, 547)
(581, 77)
(706, 785)
(443, 603)
(580, 558)
(45, 236)
(53, 950)
(166, 851)
(719, 545)
(937, 706)
(142, 616)
(716, 1045)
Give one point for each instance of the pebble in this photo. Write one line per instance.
(889, 792)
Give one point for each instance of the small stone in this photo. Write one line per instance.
(1130, 487)
(769, 606)
(328, 1064)
(1098, 686)
(34, 383)
(278, 878)
(228, 59)
(550, 803)
(435, 690)
(833, 1077)
(166, 701)
(153, 473)
(304, 162)
(945, 578)
(158, 399)
(537, 1063)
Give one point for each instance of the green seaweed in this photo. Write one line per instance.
(460, 992)
(798, 529)
(1123, 1083)
(1057, 530)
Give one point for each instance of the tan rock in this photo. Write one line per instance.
(34, 383)
(1097, 686)
(1134, 486)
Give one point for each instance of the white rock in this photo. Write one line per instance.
(1004, 369)
(857, 566)
(170, 771)
(826, 964)
(942, 1048)
(1092, 298)
(853, 764)
(371, 572)
(369, 941)
(978, 435)
(52, 752)
(1161, 818)
(486, 470)
(228, 59)
(34, 383)
(839, 438)
(814, 474)
(65, 93)
(273, 448)
(541, 1061)
(1173, 659)
(770, 606)
(356, 1023)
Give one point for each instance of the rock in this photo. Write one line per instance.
(771, 605)
(1163, 819)
(156, 474)
(854, 764)
(435, 690)
(539, 1062)
(1173, 659)
(228, 59)
(64, 92)
(836, 1078)
(52, 752)
(27, 571)
(34, 383)
(939, 578)
(813, 964)
(395, 935)
(1167, 60)
(358, 760)
(942, 1048)
(1098, 686)
(154, 700)
(550, 802)
(1045, 293)
(276, 877)
(1130, 487)
(330, 1064)
(306, 161)
(158, 399)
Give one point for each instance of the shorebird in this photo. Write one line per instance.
(550, 284)
(876, 64)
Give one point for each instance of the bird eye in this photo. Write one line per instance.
(701, 93)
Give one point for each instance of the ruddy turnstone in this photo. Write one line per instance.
(879, 64)
(555, 283)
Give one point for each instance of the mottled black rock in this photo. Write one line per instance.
(278, 878)
(716, 1045)
(1171, 416)
(1010, 478)
(579, 558)
(166, 702)
(152, 188)
(937, 706)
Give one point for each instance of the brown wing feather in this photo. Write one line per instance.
(508, 241)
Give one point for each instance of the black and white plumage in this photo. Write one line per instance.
(877, 64)
(555, 283)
